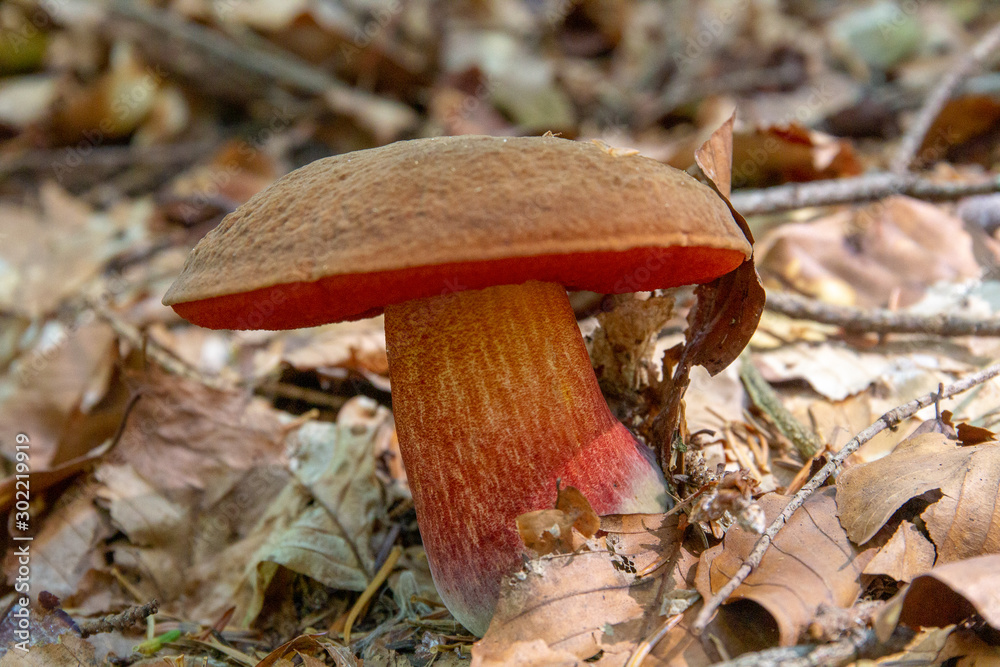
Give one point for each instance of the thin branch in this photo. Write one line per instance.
(888, 420)
(861, 645)
(914, 137)
(868, 187)
(387, 119)
(880, 321)
(165, 358)
(122, 621)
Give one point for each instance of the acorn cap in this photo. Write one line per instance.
(342, 237)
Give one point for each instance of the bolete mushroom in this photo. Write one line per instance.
(468, 245)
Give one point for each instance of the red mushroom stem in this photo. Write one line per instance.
(495, 402)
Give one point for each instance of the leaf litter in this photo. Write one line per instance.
(250, 506)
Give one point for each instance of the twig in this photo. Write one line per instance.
(906, 155)
(122, 621)
(766, 400)
(868, 187)
(888, 420)
(860, 645)
(154, 351)
(386, 118)
(880, 321)
(369, 592)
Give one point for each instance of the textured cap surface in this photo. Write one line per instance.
(343, 236)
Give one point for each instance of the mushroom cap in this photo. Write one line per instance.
(344, 236)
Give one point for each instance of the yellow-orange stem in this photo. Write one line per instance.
(495, 401)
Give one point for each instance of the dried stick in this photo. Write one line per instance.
(865, 188)
(888, 420)
(862, 644)
(906, 155)
(122, 621)
(880, 321)
(155, 351)
(385, 118)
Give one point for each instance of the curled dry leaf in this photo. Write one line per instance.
(715, 156)
(568, 607)
(810, 564)
(964, 522)
(724, 316)
(951, 593)
(773, 155)
(864, 256)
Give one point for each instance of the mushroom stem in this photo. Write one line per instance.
(496, 403)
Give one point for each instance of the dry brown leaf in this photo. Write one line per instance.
(565, 608)
(50, 254)
(65, 547)
(906, 555)
(53, 387)
(951, 593)
(183, 435)
(67, 651)
(964, 522)
(622, 348)
(810, 564)
(864, 256)
(44, 626)
(774, 155)
(715, 157)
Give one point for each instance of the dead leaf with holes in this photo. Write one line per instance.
(810, 564)
(964, 522)
(604, 597)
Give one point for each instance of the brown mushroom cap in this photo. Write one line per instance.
(344, 236)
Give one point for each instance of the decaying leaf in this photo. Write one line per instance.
(322, 529)
(567, 607)
(53, 387)
(906, 555)
(811, 563)
(964, 522)
(898, 246)
(622, 348)
(951, 593)
(560, 530)
(68, 650)
(64, 548)
(721, 322)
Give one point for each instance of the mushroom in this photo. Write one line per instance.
(468, 245)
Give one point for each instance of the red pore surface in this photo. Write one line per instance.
(495, 402)
(354, 296)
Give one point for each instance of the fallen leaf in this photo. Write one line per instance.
(65, 546)
(866, 255)
(323, 527)
(61, 247)
(52, 388)
(950, 593)
(567, 607)
(811, 563)
(66, 651)
(964, 522)
(906, 555)
(715, 157)
(792, 153)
